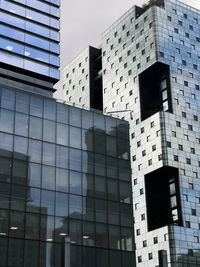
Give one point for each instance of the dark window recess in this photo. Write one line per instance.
(163, 198)
(155, 90)
(162, 257)
(96, 95)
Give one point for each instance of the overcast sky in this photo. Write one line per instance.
(83, 21)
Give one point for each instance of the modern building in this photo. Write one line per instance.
(150, 67)
(29, 47)
(64, 172)
(65, 176)
(82, 79)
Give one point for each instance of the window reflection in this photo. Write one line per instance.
(75, 183)
(33, 200)
(47, 228)
(21, 124)
(6, 121)
(6, 144)
(47, 202)
(31, 254)
(75, 206)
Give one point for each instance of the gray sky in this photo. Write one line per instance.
(83, 21)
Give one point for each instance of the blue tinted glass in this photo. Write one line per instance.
(39, 5)
(54, 23)
(12, 20)
(36, 67)
(54, 73)
(36, 41)
(33, 15)
(55, 11)
(9, 32)
(41, 30)
(54, 48)
(11, 59)
(54, 60)
(55, 35)
(36, 54)
(11, 46)
(15, 9)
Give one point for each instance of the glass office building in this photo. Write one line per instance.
(29, 46)
(150, 73)
(64, 172)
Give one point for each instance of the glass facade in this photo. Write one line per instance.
(30, 36)
(150, 71)
(64, 172)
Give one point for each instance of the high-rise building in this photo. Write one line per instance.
(65, 177)
(150, 67)
(29, 45)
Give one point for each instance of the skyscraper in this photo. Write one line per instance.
(65, 178)
(150, 66)
(29, 47)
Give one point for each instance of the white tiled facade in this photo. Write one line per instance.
(129, 47)
(76, 80)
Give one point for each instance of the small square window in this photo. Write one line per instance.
(150, 256)
(175, 158)
(175, 30)
(173, 133)
(187, 224)
(188, 161)
(153, 147)
(144, 243)
(138, 143)
(155, 240)
(191, 185)
(180, 147)
(193, 212)
(184, 62)
(184, 114)
(195, 118)
(138, 231)
(190, 127)
(144, 153)
(168, 144)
